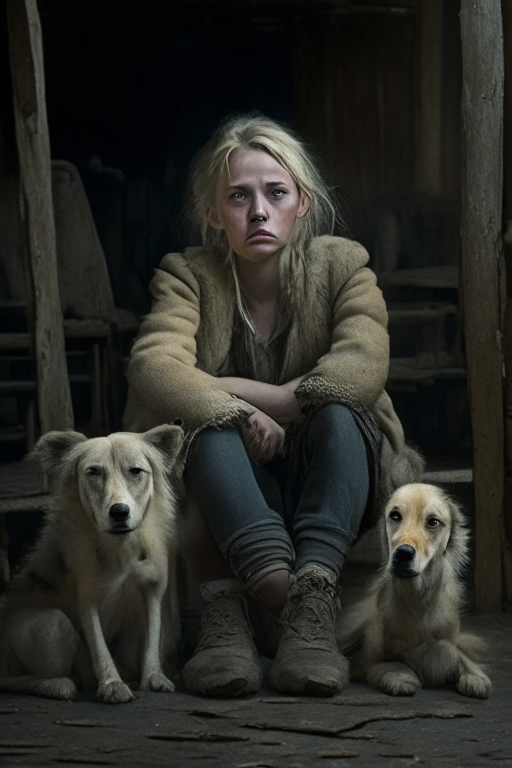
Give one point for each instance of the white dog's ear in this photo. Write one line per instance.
(52, 448)
(168, 438)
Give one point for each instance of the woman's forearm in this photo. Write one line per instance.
(277, 401)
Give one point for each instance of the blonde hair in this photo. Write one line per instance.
(255, 131)
(258, 132)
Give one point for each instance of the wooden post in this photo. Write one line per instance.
(428, 177)
(483, 279)
(26, 55)
(506, 9)
(4, 555)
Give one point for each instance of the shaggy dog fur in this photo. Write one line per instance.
(407, 631)
(97, 583)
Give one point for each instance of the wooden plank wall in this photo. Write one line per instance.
(429, 25)
(359, 66)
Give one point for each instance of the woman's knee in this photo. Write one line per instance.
(211, 441)
(333, 415)
(334, 422)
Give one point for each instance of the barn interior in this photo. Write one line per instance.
(133, 90)
(405, 103)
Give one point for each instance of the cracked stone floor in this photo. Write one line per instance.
(360, 726)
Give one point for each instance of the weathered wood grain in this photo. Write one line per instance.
(26, 55)
(482, 278)
(428, 175)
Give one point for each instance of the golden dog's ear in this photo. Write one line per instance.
(458, 543)
(52, 448)
(167, 438)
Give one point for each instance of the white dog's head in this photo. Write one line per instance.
(114, 477)
(422, 524)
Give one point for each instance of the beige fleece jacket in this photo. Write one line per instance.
(339, 342)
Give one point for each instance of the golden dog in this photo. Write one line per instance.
(97, 582)
(408, 629)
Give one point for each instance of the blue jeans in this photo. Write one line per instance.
(305, 508)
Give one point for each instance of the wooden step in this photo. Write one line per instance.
(425, 368)
(410, 313)
(443, 276)
(29, 385)
(15, 434)
(73, 329)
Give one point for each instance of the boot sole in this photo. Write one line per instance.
(232, 689)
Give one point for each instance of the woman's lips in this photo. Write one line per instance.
(261, 233)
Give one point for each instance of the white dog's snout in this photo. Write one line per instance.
(119, 513)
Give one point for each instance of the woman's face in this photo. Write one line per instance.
(257, 205)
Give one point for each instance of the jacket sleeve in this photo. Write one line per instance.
(355, 369)
(163, 372)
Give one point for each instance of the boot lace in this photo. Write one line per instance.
(312, 604)
(222, 621)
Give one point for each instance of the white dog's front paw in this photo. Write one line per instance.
(57, 688)
(474, 684)
(114, 692)
(157, 681)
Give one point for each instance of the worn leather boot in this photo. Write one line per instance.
(308, 661)
(225, 662)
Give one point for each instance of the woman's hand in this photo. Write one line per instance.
(262, 436)
(278, 401)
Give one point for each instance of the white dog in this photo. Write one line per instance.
(408, 629)
(97, 582)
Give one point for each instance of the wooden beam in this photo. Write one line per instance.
(26, 56)
(482, 280)
(506, 9)
(4, 555)
(429, 26)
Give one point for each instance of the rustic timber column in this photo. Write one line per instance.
(482, 279)
(429, 26)
(506, 9)
(26, 55)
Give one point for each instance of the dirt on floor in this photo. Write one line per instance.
(360, 726)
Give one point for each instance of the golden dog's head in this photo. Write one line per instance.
(114, 477)
(422, 524)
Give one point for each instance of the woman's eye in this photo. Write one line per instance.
(238, 196)
(278, 192)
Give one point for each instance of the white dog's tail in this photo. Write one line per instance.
(50, 688)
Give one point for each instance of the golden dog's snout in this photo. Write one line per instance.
(404, 553)
(402, 561)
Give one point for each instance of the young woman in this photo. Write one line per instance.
(269, 345)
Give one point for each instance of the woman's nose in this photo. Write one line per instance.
(258, 209)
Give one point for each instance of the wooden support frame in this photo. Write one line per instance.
(27, 70)
(506, 9)
(483, 280)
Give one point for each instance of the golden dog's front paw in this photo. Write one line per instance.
(114, 692)
(393, 678)
(157, 681)
(474, 684)
(398, 685)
